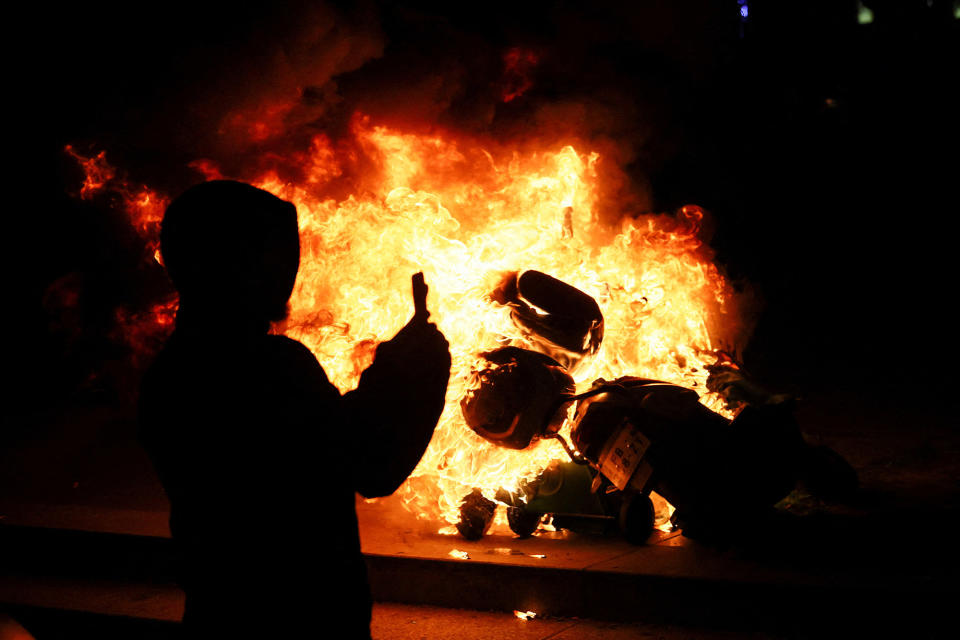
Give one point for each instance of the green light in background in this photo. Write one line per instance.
(865, 16)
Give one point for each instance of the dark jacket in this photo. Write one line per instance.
(261, 457)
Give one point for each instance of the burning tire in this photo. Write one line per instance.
(636, 518)
(523, 522)
(476, 514)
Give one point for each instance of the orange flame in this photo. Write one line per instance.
(97, 173)
(463, 213)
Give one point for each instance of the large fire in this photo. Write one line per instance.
(464, 212)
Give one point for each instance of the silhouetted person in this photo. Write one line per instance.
(259, 454)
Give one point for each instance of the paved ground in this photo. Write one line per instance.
(406, 622)
(890, 552)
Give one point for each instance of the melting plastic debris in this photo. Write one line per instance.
(506, 551)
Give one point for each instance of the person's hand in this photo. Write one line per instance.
(401, 397)
(420, 290)
(419, 346)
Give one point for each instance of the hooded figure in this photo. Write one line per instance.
(258, 452)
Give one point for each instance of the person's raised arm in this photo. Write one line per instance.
(396, 406)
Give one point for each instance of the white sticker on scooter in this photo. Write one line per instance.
(622, 455)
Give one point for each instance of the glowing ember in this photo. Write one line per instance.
(518, 64)
(97, 172)
(463, 213)
(663, 511)
(548, 526)
(525, 615)
(460, 555)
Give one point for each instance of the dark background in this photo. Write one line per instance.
(823, 147)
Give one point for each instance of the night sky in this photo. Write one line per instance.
(824, 148)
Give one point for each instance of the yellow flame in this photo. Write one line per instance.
(464, 215)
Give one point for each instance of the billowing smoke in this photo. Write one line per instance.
(237, 92)
(244, 90)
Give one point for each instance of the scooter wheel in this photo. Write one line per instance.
(636, 518)
(476, 514)
(827, 475)
(523, 522)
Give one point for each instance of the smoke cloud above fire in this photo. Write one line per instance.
(245, 87)
(280, 87)
(264, 91)
(763, 130)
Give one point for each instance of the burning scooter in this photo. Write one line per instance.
(631, 436)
